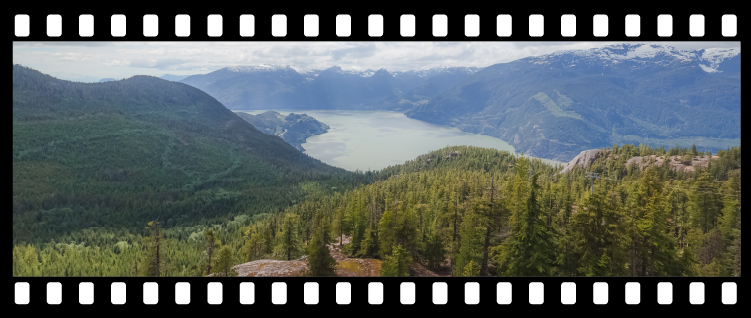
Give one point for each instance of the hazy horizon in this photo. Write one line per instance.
(92, 61)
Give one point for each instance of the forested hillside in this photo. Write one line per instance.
(108, 158)
(293, 128)
(557, 105)
(475, 210)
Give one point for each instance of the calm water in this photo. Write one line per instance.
(373, 140)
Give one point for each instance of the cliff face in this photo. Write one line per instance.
(584, 159)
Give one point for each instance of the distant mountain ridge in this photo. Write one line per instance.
(174, 78)
(557, 105)
(287, 87)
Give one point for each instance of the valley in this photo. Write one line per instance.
(621, 160)
(551, 106)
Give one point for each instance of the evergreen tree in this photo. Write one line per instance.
(471, 270)
(320, 261)
(434, 250)
(396, 264)
(472, 236)
(369, 246)
(530, 251)
(289, 237)
(155, 260)
(737, 250)
(223, 263)
(211, 244)
(255, 244)
(653, 251)
(705, 206)
(358, 222)
(595, 231)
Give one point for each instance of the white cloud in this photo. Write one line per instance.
(90, 61)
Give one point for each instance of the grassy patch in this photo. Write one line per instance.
(368, 267)
(555, 108)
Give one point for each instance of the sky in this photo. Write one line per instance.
(92, 61)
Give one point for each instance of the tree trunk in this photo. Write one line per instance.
(484, 270)
(643, 260)
(633, 259)
(341, 232)
(157, 260)
(211, 251)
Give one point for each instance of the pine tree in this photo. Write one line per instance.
(18, 262)
(359, 222)
(211, 243)
(320, 261)
(531, 250)
(471, 270)
(396, 264)
(653, 251)
(255, 246)
(434, 250)
(155, 260)
(369, 246)
(472, 236)
(342, 224)
(705, 206)
(223, 263)
(737, 250)
(289, 237)
(595, 231)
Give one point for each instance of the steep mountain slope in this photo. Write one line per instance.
(555, 106)
(121, 153)
(293, 128)
(284, 87)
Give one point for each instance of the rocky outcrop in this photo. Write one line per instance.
(584, 159)
(677, 163)
(345, 266)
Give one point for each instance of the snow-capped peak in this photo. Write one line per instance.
(435, 70)
(620, 52)
(263, 67)
(715, 56)
(646, 54)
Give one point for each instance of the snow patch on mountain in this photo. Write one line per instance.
(715, 56)
(708, 69)
(644, 54)
(258, 67)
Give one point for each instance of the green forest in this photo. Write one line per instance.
(147, 177)
(482, 211)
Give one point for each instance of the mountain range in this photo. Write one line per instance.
(551, 106)
(557, 105)
(287, 87)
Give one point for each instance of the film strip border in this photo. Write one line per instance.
(438, 26)
(267, 291)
